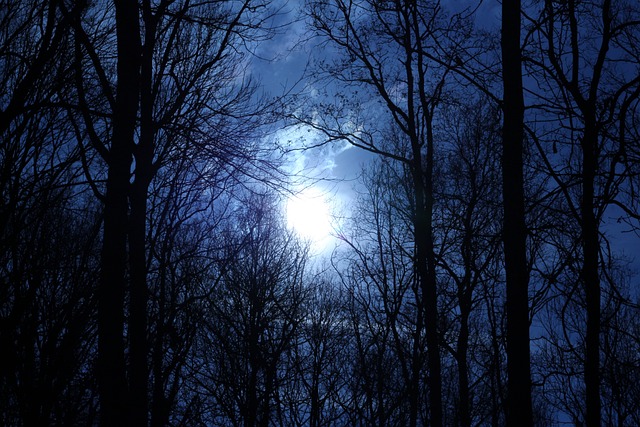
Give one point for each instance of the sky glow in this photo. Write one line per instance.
(309, 215)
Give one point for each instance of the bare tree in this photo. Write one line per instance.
(382, 62)
(469, 230)
(519, 410)
(314, 394)
(187, 205)
(178, 84)
(378, 274)
(254, 316)
(585, 72)
(48, 230)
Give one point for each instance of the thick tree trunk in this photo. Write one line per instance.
(111, 368)
(519, 409)
(111, 371)
(590, 276)
(138, 364)
(139, 369)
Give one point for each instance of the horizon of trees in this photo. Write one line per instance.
(147, 273)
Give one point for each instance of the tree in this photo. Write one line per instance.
(111, 372)
(48, 230)
(48, 317)
(588, 83)
(382, 62)
(318, 358)
(187, 202)
(469, 229)
(176, 87)
(147, 275)
(377, 272)
(519, 408)
(253, 317)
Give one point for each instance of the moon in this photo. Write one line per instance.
(308, 214)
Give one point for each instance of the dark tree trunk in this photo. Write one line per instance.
(138, 365)
(519, 409)
(425, 266)
(463, 370)
(590, 276)
(138, 224)
(160, 406)
(416, 359)
(111, 373)
(465, 287)
(314, 416)
(423, 187)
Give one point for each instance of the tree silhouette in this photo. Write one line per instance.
(148, 276)
(519, 410)
(589, 86)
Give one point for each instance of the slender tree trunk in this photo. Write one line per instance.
(159, 404)
(250, 416)
(589, 223)
(463, 371)
(416, 358)
(425, 265)
(138, 364)
(519, 409)
(590, 276)
(111, 372)
(138, 225)
(495, 368)
(464, 301)
(432, 317)
(314, 416)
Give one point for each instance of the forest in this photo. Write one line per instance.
(487, 271)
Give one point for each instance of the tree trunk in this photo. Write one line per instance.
(138, 365)
(519, 409)
(590, 275)
(139, 369)
(111, 371)
(416, 359)
(465, 289)
(463, 370)
(314, 416)
(425, 266)
(160, 406)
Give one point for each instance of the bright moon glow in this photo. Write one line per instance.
(308, 214)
